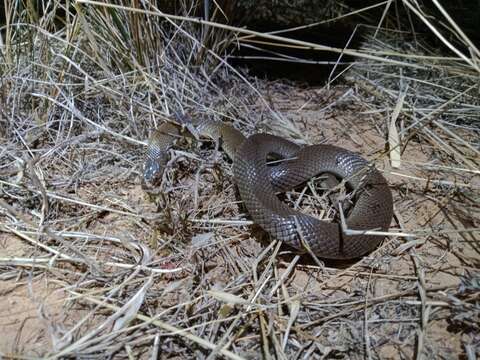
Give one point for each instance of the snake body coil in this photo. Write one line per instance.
(257, 183)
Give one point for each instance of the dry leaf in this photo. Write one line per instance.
(393, 138)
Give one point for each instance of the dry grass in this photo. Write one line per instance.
(93, 267)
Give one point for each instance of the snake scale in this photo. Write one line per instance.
(258, 184)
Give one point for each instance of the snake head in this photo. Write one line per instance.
(153, 169)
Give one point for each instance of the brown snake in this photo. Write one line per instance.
(258, 184)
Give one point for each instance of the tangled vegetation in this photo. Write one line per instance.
(93, 267)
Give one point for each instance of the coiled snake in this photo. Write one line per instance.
(258, 184)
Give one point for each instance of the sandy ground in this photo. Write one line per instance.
(35, 309)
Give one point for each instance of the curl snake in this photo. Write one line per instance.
(258, 184)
